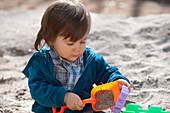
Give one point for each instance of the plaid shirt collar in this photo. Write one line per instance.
(68, 73)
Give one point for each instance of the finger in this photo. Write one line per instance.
(79, 108)
(73, 107)
(123, 82)
(129, 89)
(80, 105)
(128, 85)
(120, 86)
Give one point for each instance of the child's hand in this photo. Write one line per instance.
(123, 82)
(73, 101)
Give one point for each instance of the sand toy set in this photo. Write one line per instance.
(108, 95)
(105, 96)
(134, 108)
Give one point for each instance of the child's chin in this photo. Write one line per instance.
(72, 60)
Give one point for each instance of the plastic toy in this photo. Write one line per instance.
(103, 97)
(121, 101)
(135, 108)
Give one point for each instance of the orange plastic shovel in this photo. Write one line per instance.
(103, 97)
(85, 101)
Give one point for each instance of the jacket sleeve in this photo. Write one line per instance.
(41, 90)
(105, 73)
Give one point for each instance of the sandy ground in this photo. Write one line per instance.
(116, 7)
(138, 46)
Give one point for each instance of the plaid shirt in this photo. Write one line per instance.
(68, 73)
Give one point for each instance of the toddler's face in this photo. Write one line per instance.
(69, 50)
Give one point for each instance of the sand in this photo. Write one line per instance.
(115, 7)
(138, 46)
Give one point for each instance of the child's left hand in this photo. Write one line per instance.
(123, 82)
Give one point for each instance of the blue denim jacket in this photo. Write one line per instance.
(48, 92)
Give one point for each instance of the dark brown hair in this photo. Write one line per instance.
(63, 18)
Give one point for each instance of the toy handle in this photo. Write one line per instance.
(61, 111)
(90, 100)
(64, 107)
(121, 100)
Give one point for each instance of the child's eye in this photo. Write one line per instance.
(83, 42)
(70, 44)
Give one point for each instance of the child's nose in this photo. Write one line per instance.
(77, 47)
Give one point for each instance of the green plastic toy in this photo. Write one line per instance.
(135, 108)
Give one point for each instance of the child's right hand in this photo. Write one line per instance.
(73, 101)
